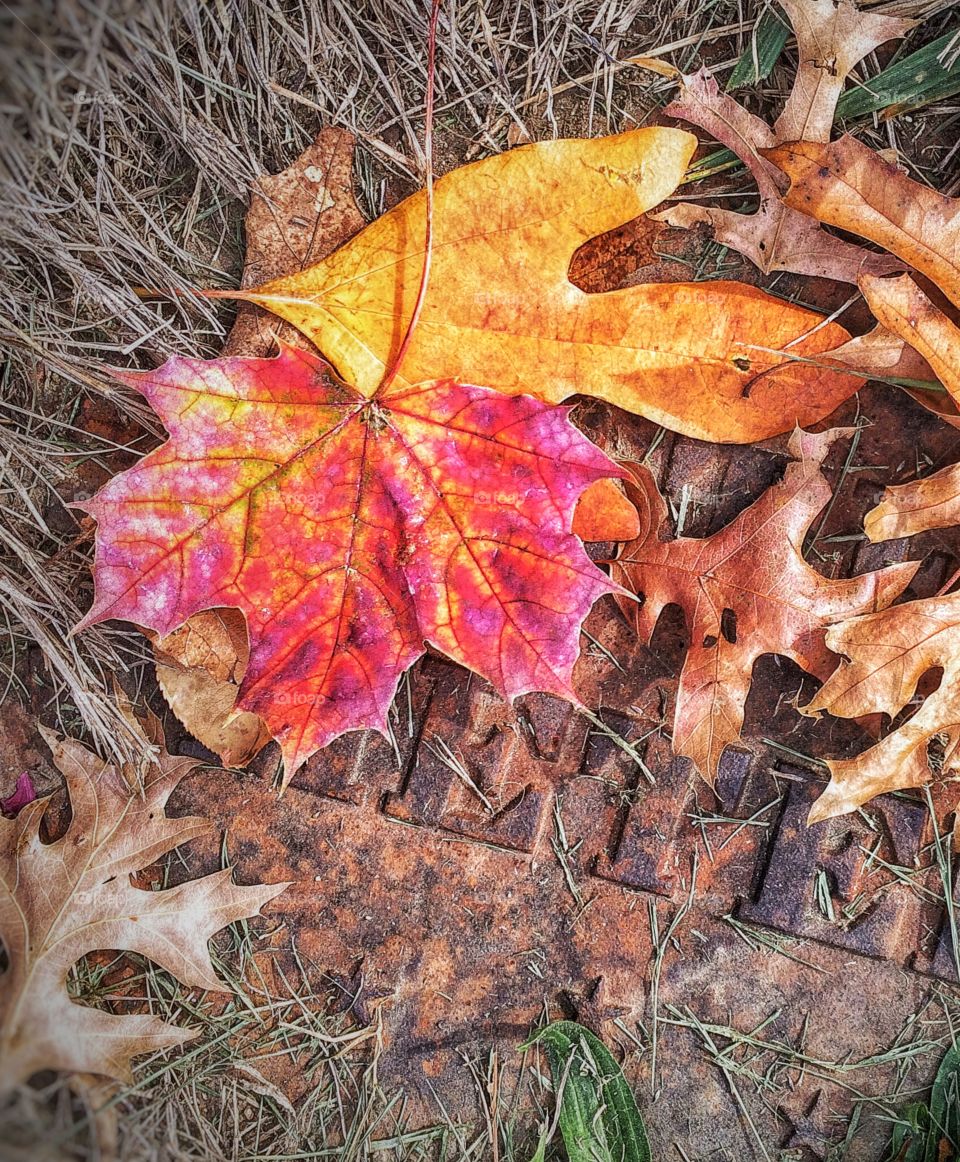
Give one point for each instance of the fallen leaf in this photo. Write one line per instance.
(886, 654)
(831, 39)
(745, 591)
(845, 184)
(500, 309)
(295, 218)
(605, 513)
(773, 237)
(63, 900)
(884, 356)
(350, 532)
(902, 307)
(915, 507)
(200, 667)
(934, 502)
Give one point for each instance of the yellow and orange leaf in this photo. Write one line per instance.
(500, 309)
(745, 591)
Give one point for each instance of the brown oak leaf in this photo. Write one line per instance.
(63, 900)
(886, 654)
(831, 39)
(745, 591)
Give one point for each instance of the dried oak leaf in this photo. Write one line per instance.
(886, 654)
(63, 900)
(200, 667)
(831, 39)
(351, 531)
(933, 502)
(745, 591)
(848, 185)
(500, 309)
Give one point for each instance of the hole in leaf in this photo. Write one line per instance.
(741, 362)
(709, 641)
(728, 626)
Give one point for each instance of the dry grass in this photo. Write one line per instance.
(223, 1097)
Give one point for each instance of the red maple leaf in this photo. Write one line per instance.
(351, 531)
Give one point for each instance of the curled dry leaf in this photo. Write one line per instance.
(887, 654)
(351, 531)
(63, 900)
(745, 591)
(200, 667)
(915, 507)
(934, 502)
(846, 184)
(500, 309)
(903, 308)
(831, 39)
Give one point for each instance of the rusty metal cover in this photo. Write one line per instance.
(490, 864)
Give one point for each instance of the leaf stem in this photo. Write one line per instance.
(428, 229)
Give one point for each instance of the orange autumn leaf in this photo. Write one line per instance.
(745, 591)
(885, 656)
(351, 532)
(500, 309)
(831, 39)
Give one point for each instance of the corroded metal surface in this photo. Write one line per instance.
(489, 861)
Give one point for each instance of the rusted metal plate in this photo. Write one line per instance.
(489, 863)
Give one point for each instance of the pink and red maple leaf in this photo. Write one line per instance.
(350, 532)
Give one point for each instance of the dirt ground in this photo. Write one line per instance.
(774, 991)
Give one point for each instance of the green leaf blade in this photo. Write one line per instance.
(598, 1114)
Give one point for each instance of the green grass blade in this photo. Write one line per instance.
(598, 1115)
(945, 1102)
(929, 74)
(766, 44)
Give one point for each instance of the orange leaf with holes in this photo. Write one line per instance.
(745, 591)
(500, 309)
